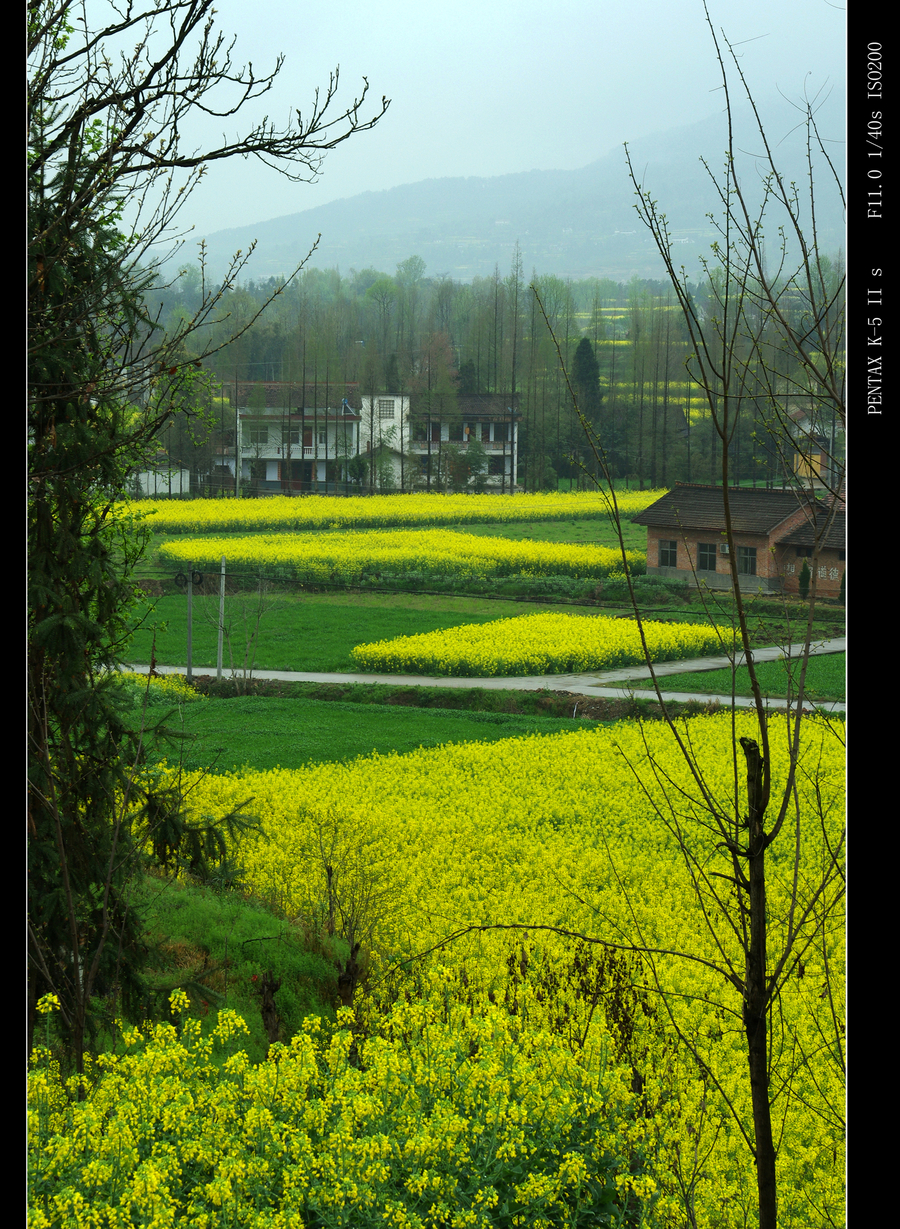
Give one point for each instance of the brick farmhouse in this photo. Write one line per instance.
(774, 531)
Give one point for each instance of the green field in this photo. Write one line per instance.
(317, 631)
(308, 631)
(581, 533)
(826, 679)
(264, 733)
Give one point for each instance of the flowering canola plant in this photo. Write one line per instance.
(485, 1056)
(435, 1122)
(547, 643)
(284, 512)
(174, 687)
(348, 556)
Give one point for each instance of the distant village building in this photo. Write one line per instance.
(307, 438)
(818, 441)
(292, 437)
(774, 531)
(489, 421)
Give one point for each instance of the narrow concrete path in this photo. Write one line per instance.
(600, 684)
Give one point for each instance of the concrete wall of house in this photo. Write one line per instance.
(379, 424)
(162, 482)
(275, 458)
(788, 560)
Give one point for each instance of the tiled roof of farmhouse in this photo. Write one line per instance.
(487, 404)
(473, 407)
(804, 535)
(285, 394)
(753, 510)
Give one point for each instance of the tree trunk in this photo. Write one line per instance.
(268, 1008)
(755, 993)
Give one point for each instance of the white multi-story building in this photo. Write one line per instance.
(430, 444)
(330, 439)
(293, 437)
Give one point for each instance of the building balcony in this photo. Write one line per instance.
(487, 445)
(296, 452)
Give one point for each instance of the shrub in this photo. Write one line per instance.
(804, 580)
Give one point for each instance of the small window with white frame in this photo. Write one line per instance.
(668, 553)
(385, 409)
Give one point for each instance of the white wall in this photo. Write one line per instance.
(161, 482)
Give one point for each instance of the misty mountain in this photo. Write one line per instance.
(574, 224)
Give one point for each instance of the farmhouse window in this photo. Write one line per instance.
(258, 435)
(746, 560)
(803, 552)
(385, 409)
(290, 436)
(706, 556)
(668, 554)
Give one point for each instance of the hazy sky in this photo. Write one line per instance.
(486, 87)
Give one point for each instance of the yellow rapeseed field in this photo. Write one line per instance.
(469, 1073)
(447, 552)
(548, 643)
(284, 512)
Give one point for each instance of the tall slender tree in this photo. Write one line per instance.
(734, 843)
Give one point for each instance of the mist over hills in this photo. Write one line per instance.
(575, 224)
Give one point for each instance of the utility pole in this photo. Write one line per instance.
(221, 621)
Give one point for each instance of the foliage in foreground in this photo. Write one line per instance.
(103, 380)
(539, 644)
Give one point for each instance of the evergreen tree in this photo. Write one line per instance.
(586, 379)
(103, 382)
(468, 378)
(392, 380)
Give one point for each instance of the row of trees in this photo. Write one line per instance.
(628, 348)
